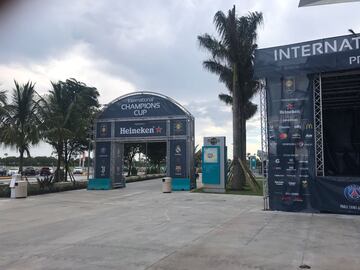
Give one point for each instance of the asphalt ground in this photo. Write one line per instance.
(141, 228)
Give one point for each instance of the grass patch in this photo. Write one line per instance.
(247, 190)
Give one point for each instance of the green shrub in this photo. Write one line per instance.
(35, 189)
(46, 182)
(152, 170)
(134, 171)
(4, 191)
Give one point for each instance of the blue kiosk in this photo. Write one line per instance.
(214, 160)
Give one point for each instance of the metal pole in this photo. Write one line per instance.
(264, 146)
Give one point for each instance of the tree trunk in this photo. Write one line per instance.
(243, 138)
(21, 160)
(58, 165)
(130, 161)
(238, 179)
(66, 165)
(129, 169)
(243, 145)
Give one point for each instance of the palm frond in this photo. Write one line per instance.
(224, 72)
(226, 98)
(250, 110)
(215, 47)
(3, 98)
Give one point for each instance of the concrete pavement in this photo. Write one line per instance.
(141, 228)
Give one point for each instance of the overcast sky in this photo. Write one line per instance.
(122, 46)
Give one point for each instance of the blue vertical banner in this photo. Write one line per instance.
(103, 130)
(178, 166)
(102, 169)
(178, 127)
(118, 158)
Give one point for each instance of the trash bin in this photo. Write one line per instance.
(18, 188)
(166, 185)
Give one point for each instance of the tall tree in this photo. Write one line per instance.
(21, 120)
(69, 110)
(232, 60)
(84, 112)
(3, 99)
(130, 151)
(156, 153)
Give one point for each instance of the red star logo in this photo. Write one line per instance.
(158, 129)
(290, 106)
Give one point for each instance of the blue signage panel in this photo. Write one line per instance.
(119, 179)
(253, 163)
(103, 150)
(178, 127)
(103, 130)
(140, 128)
(178, 166)
(211, 165)
(322, 55)
(142, 105)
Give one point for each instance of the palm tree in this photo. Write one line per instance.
(232, 60)
(3, 99)
(56, 113)
(21, 120)
(68, 111)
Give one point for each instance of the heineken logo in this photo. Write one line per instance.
(141, 130)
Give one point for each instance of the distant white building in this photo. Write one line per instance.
(306, 3)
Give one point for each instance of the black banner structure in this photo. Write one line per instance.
(289, 72)
(145, 117)
(291, 143)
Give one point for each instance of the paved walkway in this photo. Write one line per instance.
(141, 228)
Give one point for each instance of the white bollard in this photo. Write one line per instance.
(166, 185)
(18, 189)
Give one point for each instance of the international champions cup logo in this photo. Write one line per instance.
(352, 193)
